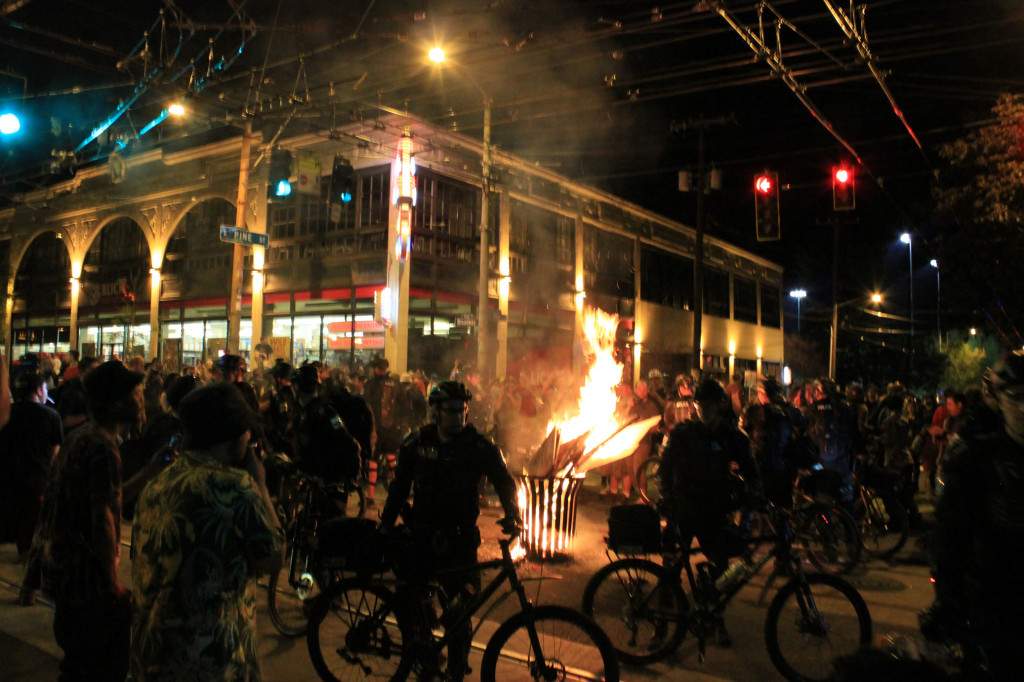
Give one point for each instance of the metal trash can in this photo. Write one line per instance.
(548, 505)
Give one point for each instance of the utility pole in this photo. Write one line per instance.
(701, 124)
(483, 363)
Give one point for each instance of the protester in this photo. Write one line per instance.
(204, 530)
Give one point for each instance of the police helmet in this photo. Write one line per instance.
(449, 390)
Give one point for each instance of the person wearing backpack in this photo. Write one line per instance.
(706, 470)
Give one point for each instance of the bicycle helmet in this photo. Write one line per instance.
(449, 390)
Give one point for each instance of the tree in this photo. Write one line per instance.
(966, 360)
(983, 195)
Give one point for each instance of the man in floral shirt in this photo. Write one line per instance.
(203, 531)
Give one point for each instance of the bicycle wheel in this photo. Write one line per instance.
(287, 603)
(647, 480)
(572, 647)
(639, 607)
(883, 524)
(830, 537)
(353, 633)
(808, 626)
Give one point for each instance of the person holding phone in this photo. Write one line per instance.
(203, 531)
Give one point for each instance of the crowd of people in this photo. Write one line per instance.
(89, 443)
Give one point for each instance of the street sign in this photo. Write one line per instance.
(237, 235)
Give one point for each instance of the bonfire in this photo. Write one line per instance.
(593, 434)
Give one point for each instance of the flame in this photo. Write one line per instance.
(597, 397)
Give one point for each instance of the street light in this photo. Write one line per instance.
(938, 299)
(798, 294)
(437, 55)
(905, 238)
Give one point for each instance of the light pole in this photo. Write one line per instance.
(834, 350)
(797, 294)
(487, 368)
(905, 238)
(938, 299)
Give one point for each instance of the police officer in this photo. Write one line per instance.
(324, 446)
(441, 463)
(282, 410)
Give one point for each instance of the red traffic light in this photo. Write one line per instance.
(763, 184)
(843, 197)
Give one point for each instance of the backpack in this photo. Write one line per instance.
(696, 472)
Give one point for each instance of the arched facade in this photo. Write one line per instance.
(330, 285)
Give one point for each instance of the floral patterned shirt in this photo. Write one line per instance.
(198, 531)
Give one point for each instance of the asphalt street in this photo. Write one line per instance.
(895, 591)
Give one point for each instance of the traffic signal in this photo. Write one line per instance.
(342, 180)
(766, 203)
(279, 185)
(843, 198)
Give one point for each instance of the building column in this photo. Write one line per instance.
(76, 292)
(154, 312)
(8, 316)
(504, 282)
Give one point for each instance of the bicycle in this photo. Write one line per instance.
(309, 510)
(647, 479)
(643, 608)
(884, 522)
(355, 632)
(828, 533)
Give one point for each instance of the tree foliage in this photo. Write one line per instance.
(983, 192)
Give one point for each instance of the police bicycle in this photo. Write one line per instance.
(313, 514)
(644, 609)
(358, 631)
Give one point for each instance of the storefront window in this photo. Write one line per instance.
(306, 340)
(193, 338)
(216, 338)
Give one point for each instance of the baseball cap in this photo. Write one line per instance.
(229, 362)
(110, 382)
(214, 414)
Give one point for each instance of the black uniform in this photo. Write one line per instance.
(698, 490)
(325, 447)
(444, 477)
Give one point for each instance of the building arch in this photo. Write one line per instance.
(39, 292)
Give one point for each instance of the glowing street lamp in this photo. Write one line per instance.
(905, 238)
(436, 54)
(798, 294)
(938, 298)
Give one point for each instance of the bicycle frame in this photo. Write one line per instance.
(507, 572)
